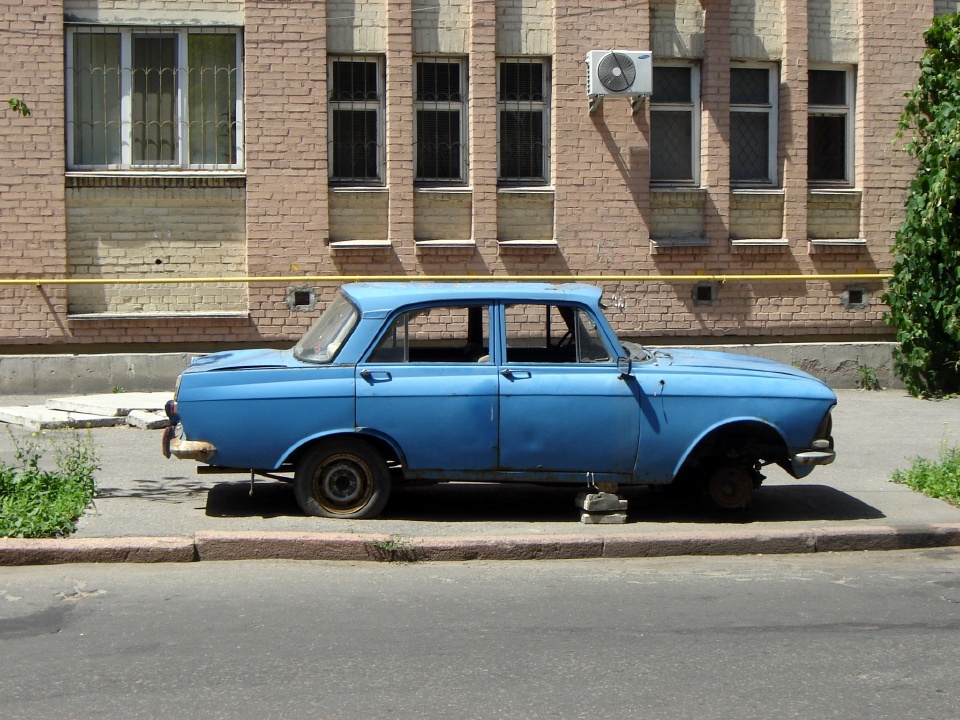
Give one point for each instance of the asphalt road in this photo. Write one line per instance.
(852, 635)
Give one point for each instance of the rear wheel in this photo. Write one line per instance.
(342, 478)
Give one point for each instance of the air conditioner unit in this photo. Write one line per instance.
(619, 73)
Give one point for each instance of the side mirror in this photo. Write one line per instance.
(625, 366)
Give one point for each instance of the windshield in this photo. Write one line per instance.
(321, 342)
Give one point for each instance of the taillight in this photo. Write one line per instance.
(171, 410)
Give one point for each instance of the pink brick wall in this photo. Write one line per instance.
(600, 171)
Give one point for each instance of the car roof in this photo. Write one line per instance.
(371, 297)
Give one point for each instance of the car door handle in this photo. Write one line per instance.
(516, 374)
(374, 376)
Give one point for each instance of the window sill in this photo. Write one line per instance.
(839, 190)
(173, 173)
(682, 242)
(426, 244)
(358, 189)
(756, 191)
(838, 242)
(359, 244)
(678, 189)
(441, 190)
(527, 244)
(760, 242)
(155, 180)
(201, 315)
(529, 190)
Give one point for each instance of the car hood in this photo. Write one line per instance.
(686, 358)
(243, 360)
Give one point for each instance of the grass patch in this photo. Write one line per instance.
(937, 479)
(37, 501)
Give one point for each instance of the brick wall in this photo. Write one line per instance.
(32, 226)
(117, 229)
(598, 210)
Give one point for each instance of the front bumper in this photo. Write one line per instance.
(185, 449)
(814, 457)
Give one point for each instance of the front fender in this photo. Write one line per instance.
(721, 425)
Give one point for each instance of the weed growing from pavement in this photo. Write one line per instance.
(867, 378)
(940, 479)
(36, 501)
(396, 549)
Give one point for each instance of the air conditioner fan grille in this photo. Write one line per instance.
(616, 71)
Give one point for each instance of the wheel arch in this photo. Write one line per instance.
(387, 448)
(743, 436)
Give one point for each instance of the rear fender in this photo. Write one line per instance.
(384, 444)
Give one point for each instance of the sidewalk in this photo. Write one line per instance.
(153, 509)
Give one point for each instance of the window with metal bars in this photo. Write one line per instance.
(440, 120)
(356, 107)
(154, 98)
(753, 126)
(675, 125)
(523, 123)
(830, 126)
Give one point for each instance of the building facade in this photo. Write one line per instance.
(199, 164)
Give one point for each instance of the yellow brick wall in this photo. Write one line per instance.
(116, 231)
(756, 215)
(524, 216)
(358, 215)
(441, 216)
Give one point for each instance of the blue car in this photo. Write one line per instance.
(491, 381)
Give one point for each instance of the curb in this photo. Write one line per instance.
(220, 545)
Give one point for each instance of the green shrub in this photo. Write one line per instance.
(924, 292)
(39, 502)
(940, 479)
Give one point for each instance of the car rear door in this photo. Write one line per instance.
(564, 407)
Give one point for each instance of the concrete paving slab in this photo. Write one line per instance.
(40, 417)
(118, 404)
(147, 419)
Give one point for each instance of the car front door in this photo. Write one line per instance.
(564, 407)
(430, 387)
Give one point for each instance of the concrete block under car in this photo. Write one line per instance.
(613, 518)
(600, 502)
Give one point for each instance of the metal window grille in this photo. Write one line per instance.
(674, 125)
(440, 117)
(830, 126)
(522, 121)
(154, 98)
(356, 104)
(753, 138)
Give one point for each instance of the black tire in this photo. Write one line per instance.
(343, 478)
(730, 487)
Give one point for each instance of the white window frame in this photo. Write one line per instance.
(460, 106)
(771, 110)
(694, 108)
(849, 111)
(541, 106)
(181, 121)
(378, 105)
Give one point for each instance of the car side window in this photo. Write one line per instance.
(540, 333)
(436, 334)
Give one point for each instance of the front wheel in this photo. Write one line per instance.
(343, 478)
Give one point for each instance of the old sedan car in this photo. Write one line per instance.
(515, 382)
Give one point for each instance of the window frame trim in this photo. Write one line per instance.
(379, 105)
(181, 121)
(773, 113)
(848, 110)
(462, 105)
(544, 106)
(695, 108)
